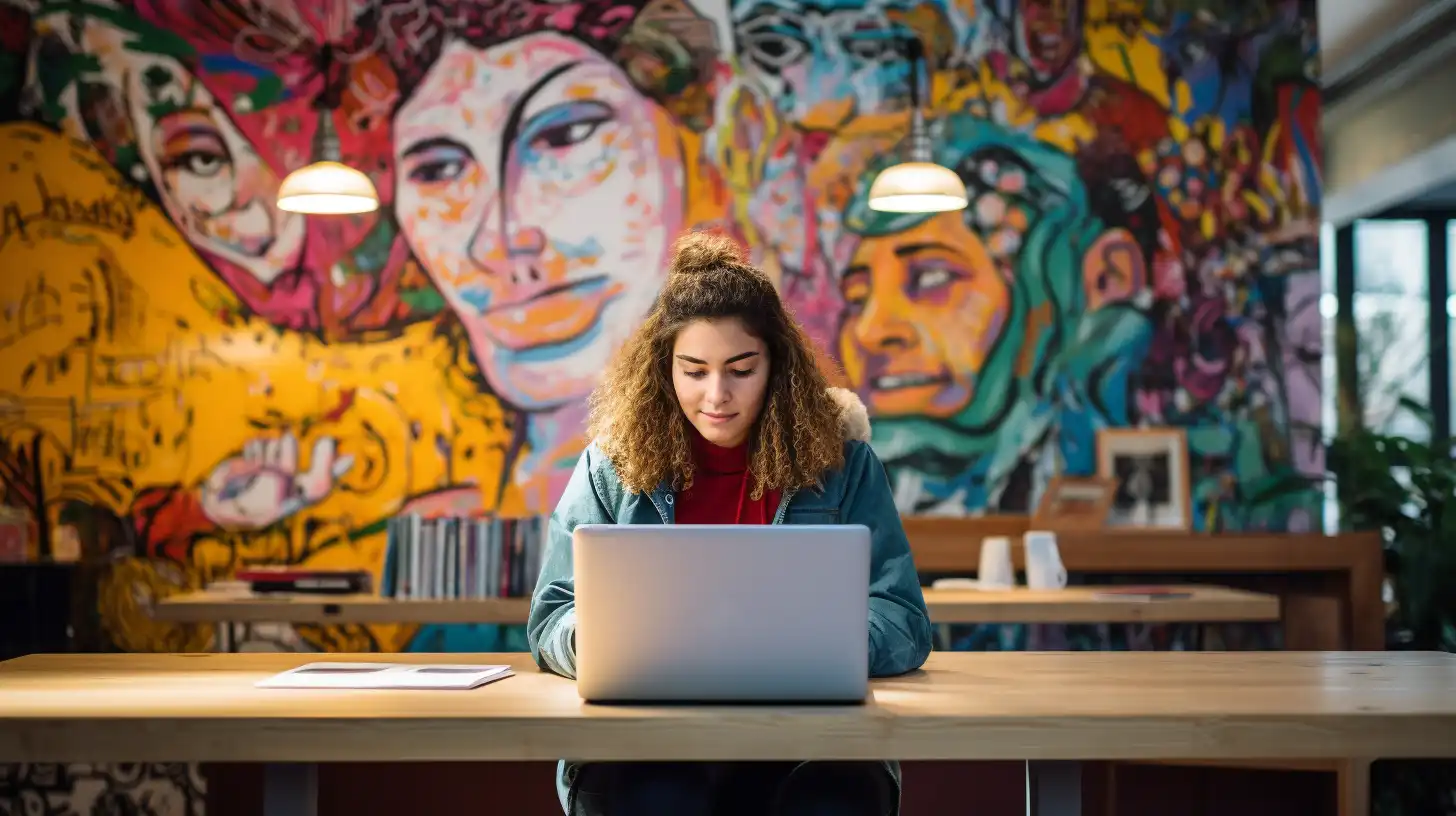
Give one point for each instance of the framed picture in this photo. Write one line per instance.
(1150, 467)
(1075, 502)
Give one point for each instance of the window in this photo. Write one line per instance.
(1451, 314)
(1392, 318)
(1329, 307)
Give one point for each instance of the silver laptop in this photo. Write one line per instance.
(722, 613)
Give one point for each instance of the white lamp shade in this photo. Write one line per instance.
(327, 188)
(917, 187)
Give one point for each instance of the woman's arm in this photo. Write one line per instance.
(900, 632)
(551, 626)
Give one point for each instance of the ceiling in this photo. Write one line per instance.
(1347, 26)
(1440, 198)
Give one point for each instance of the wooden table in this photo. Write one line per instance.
(227, 608)
(1037, 706)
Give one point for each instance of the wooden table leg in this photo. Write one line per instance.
(227, 638)
(1353, 778)
(1054, 788)
(290, 789)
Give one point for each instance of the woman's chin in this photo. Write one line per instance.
(724, 436)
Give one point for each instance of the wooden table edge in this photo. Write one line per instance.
(910, 738)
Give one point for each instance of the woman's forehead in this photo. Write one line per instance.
(716, 339)
(511, 63)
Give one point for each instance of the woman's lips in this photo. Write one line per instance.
(896, 382)
(717, 418)
(555, 316)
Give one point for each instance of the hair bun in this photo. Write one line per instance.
(702, 251)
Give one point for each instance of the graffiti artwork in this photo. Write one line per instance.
(204, 382)
(224, 383)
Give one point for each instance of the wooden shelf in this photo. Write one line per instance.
(241, 607)
(1206, 604)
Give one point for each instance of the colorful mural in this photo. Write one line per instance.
(193, 381)
(222, 383)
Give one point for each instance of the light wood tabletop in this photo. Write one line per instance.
(962, 705)
(1080, 604)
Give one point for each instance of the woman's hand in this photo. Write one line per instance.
(265, 485)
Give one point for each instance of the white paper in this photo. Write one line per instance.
(386, 676)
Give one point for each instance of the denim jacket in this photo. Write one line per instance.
(859, 493)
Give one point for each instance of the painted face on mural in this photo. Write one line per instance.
(1048, 35)
(923, 309)
(541, 191)
(216, 188)
(824, 62)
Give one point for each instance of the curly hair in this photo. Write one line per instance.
(635, 415)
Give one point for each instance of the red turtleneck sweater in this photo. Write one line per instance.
(719, 494)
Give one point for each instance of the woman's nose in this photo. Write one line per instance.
(882, 326)
(719, 392)
(514, 256)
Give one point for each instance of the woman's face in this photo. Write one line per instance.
(923, 309)
(720, 374)
(541, 191)
(216, 188)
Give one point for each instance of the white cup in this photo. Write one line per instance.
(996, 571)
(1044, 568)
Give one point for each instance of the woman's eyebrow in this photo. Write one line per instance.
(735, 358)
(429, 144)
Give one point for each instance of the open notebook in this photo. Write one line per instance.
(386, 676)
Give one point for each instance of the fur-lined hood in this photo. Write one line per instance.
(854, 417)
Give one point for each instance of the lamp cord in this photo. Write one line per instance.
(919, 138)
(336, 79)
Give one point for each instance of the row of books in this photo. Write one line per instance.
(443, 558)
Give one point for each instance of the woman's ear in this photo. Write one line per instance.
(1113, 269)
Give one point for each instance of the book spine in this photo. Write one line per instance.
(430, 543)
(482, 553)
(391, 554)
(518, 558)
(412, 558)
(492, 571)
(467, 559)
(452, 558)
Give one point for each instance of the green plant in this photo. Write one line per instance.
(1406, 489)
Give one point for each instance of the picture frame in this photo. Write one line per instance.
(1075, 503)
(1151, 468)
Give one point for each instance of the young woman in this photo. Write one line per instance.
(715, 412)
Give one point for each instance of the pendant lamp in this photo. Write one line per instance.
(918, 185)
(327, 186)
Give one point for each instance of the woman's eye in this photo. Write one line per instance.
(437, 171)
(201, 163)
(567, 134)
(933, 278)
(696, 375)
(437, 161)
(742, 373)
